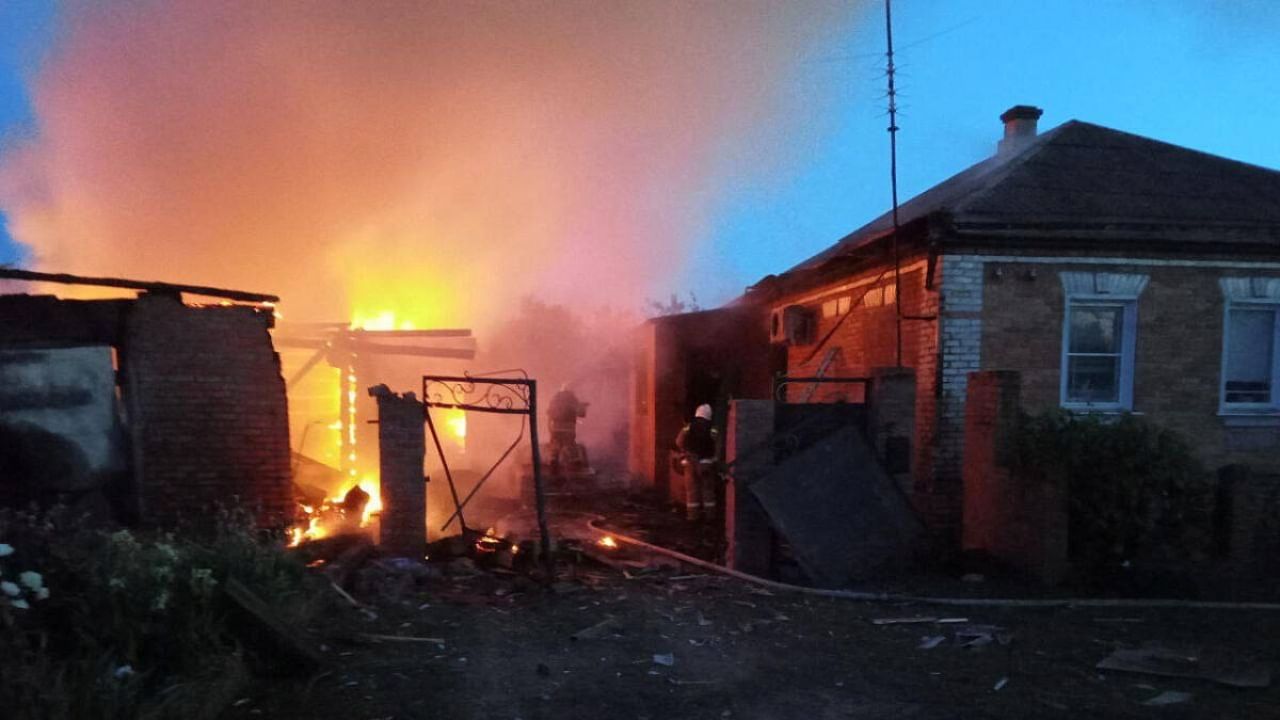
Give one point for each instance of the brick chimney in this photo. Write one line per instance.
(1019, 128)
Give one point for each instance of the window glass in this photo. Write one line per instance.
(1250, 355)
(1094, 354)
(1092, 379)
(1096, 329)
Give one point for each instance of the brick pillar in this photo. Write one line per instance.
(402, 445)
(747, 530)
(1246, 507)
(892, 421)
(1019, 521)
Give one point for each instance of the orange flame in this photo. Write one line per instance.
(456, 421)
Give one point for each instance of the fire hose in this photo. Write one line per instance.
(861, 596)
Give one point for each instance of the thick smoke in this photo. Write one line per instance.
(436, 159)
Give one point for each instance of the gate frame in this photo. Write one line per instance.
(501, 395)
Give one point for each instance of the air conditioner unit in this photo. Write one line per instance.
(791, 325)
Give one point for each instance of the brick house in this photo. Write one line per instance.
(1112, 272)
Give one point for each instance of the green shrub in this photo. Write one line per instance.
(128, 625)
(1137, 492)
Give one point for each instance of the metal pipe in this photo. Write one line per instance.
(444, 462)
(539, 496)
(487, 475)
(933, 600)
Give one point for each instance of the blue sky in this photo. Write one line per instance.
(25, 27)
(1199, 73)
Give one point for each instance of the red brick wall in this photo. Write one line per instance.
(207, 412)
(866, 340)
(730, 344)
(1019, 523)
(643, 461)
(1177, 361)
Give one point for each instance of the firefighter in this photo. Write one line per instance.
(563, 414)
(699, 443)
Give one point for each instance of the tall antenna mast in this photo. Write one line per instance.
(893, 178)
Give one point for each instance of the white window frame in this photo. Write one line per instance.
(1101, 289)
(1244, 294)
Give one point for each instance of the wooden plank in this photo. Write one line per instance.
(363, 334)
(371, 348)
(257, 623)
(330, 329)
(341, 570)
(145, 285)
(439, 352)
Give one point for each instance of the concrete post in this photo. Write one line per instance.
(892, 422)
(748, 532)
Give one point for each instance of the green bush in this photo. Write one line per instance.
(1137, 493)
(127, 625)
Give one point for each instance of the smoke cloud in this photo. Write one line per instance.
(439, 160)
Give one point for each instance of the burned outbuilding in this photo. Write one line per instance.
(149, 409)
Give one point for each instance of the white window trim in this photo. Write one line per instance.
(1102, 288)
(1242, 293)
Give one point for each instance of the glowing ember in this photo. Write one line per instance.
(607, 542)
(374, 488)
(332, 515)
(491, 543)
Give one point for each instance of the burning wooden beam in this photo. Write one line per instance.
(331, 328)
(365, 347)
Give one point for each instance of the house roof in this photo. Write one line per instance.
(1080, 177)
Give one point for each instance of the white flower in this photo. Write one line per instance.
(5, 549)
(167, 551)
(10, 589)
(31, 580)
(20, 604)
(42, 593)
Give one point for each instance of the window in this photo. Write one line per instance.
(1250, 366)
(1096, 361)
(1099, 340)
(837, 306)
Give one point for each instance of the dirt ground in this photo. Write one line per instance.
(684, 643)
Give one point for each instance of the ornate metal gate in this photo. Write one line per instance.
(487, 394)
